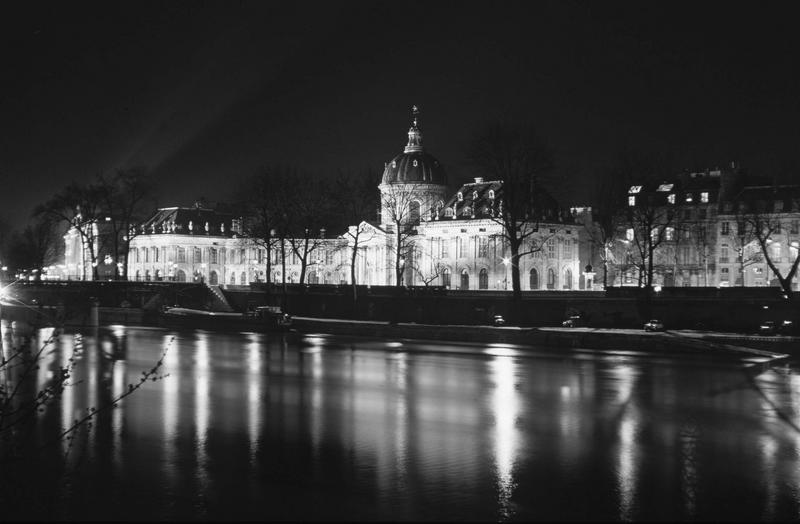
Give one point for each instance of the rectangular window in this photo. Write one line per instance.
(723, 254)
(483, 247)
(629, 234)
(669, 234)
(198, 256)
(214, 259)
(567, 250)
(329, 257)
(631, 201)
(445, 248)
(689, 197)
(181, 254)
(704, 197)
(725, 228)
(795, 227)
(685, 255)
(551, 248)
(671, 198)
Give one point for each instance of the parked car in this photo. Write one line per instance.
(654, 325)
(574, 321)
(771, 327)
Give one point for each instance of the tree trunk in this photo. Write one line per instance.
(515, 281)
(353, 258)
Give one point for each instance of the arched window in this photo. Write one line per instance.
(414, 212)
(567, 278)
(243, 279)
(551, 279)
(327, 278)
(533, 279)
(448, 212)
(483, 279)
(464, 279)
(147, 274)
(158, 274)
(460, 196)
(138, 275)
(491, 194)
(446, 278)
(180, 276)
(213, 278)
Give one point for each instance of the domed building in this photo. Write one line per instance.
(413, 183)
(424, 236)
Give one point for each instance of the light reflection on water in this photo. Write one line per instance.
(253, 426)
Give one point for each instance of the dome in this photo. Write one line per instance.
(414, 165)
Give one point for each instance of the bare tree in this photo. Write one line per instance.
(607, 205)
(401, 207)
(309, 208)
(648, 222)
(35, 246)
(427, 275)
(516, 155)
(265, 202)
(123, 198)
(775, 238)
(355, 198)
(78, 207)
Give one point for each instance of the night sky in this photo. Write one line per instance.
(203, 93)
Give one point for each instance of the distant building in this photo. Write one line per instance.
(703, 240)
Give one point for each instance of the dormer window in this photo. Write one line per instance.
(474, 195)
(671, 198)
(491, 194)
(207, 229)
(191, 226)
(631, 201)
(460, 196)
(415, 163)
(448, 212)
(466, 211)
(394, 164)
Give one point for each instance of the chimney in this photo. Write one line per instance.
(478, 179)
(322, 232)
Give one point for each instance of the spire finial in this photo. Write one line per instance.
(414, 134)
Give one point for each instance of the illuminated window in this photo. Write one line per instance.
(670, 233)
(689, 197)
(483, 247)
(445, 245)
(491, 194)
(474, 195)
(671, 198)
(631, 200)
(665, 188)
(629, 234)
(415, 163)
(635, 189)
(460, 196)
(704, 197)
(551, 248)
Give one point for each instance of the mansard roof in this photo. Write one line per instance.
(189, 221)
(483, 199)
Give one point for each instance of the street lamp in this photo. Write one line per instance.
(506, 262)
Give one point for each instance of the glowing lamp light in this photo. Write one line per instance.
(506, 261)
(657, 288)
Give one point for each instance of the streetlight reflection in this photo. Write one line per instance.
(506, 409)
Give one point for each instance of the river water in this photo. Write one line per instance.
(291, 427)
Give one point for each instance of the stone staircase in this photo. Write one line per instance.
(218, 300)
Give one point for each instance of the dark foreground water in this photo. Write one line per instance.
(277, 427)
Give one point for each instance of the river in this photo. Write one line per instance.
(311, 427)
